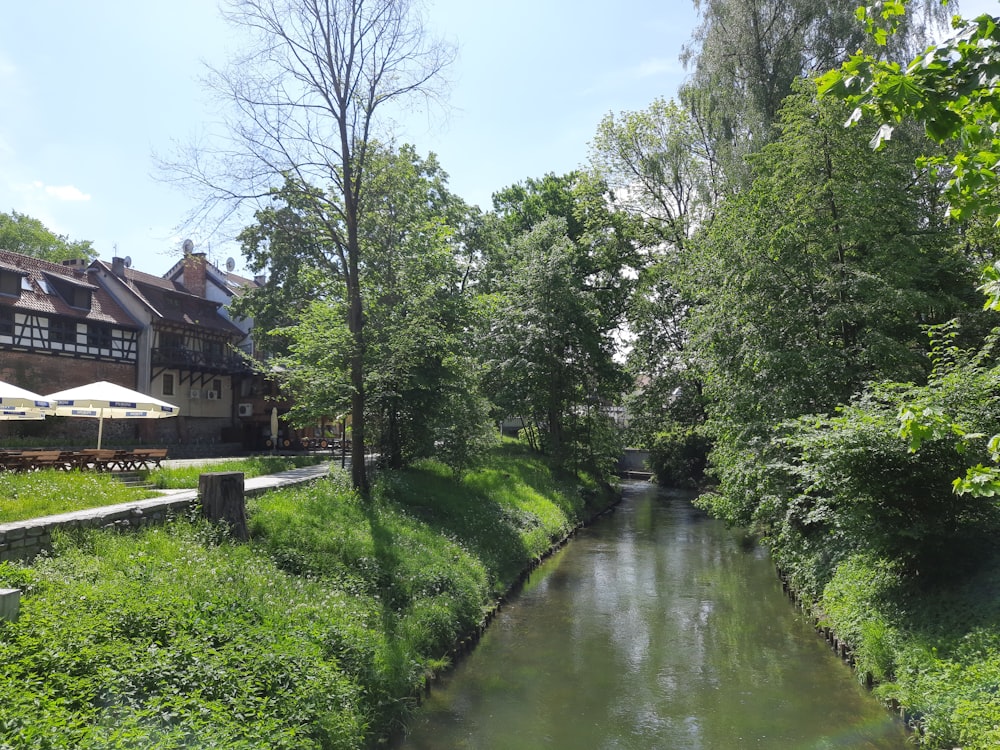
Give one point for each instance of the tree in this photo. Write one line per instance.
(952, 90)
(658, 168)
(551, 312)
(417, 363)
(306, 95)
(745, 55)
(22, 234)
(814, 281)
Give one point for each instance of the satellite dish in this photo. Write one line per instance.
(230, 264)
(128, 261)
(187, 246)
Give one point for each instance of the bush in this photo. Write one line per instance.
(679, 456)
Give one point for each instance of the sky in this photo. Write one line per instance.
(92, 92)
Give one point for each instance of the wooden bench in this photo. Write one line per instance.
(35, 460)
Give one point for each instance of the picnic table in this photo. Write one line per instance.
(96, 459)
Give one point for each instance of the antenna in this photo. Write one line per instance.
(230, 264)
(128, 261)
(187, 246)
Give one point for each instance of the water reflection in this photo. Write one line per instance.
(655, 628)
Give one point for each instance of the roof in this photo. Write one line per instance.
(230, 283)
(44, 298)
(170, 302)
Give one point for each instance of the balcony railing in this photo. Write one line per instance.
(180, 358)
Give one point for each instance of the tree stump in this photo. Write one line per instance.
(10, 604)
(222, 499)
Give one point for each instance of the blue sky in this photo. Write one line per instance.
(90, 91)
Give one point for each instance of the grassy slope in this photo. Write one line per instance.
(933, 646)
(44, 493)
(315, 635)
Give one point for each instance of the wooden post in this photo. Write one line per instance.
(10, 604)
(222, 499)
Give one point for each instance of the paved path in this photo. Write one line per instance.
(254, 485)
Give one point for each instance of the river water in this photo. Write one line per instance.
(656, 627)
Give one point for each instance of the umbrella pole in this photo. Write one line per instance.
(100, 430)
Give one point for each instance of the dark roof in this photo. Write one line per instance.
(170, 302)
(44, 298)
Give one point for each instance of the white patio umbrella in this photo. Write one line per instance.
(103, 400)
(19, 403)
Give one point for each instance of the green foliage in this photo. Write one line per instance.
(316, 634)
(44, 493)
(934, 648)
(22, 234)
(678, 456)
(951, 89)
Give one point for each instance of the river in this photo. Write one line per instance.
(656, 627)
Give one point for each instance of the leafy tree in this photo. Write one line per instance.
(306, 95)
(551, 313)
(22, 234)
(952, 91)
(416, 360)
(819, 278)
(746, 54)
(422, 380)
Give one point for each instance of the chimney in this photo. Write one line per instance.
(195, 272)
(118, 267)
(260, 280)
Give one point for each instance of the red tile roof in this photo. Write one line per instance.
(44, 299)
(171, 302)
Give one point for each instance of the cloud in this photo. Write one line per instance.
(64, 192)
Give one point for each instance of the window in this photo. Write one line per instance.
(99, 336)
(62, 331)
(6, 323)
(168, 384)
(80, 298)
(10, 283)
(217, 387)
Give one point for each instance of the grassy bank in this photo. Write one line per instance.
(44, 493)
(317, 634)
(933, 646)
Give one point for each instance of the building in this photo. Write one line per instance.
(59, 329)
(172, 337)
(187, 352)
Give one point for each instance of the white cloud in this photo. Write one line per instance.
(66, 193)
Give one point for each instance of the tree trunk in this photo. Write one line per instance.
(222, 499)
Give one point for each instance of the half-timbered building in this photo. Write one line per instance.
(58, 328)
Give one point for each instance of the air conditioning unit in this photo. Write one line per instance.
(246, 410)
(195, 393)
(211, 395)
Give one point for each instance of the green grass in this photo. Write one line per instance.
(186, 477)
(934, 646)
(315, 635)
(44, 493)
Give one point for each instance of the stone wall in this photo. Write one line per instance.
(24, 540)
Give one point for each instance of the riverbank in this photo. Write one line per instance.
(927, 645)
(320, 633)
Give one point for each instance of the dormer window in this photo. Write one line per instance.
(76, 294)
(80, 298)
(10, 283)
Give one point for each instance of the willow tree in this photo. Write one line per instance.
(307, 93)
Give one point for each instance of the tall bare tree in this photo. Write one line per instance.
(304, 94)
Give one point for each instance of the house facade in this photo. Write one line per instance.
(60, 329)
(63, 325)
(186, 352)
